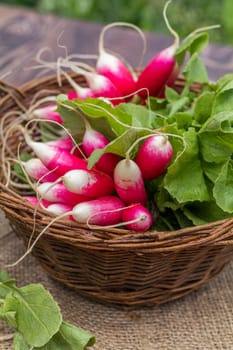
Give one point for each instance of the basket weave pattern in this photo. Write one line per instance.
(117, 266)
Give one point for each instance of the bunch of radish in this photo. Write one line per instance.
(112, 193)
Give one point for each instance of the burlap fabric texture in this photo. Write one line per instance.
(202, 320)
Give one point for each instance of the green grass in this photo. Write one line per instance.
(184, 15)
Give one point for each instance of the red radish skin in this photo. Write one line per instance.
(34, 201)
(129, 183)
(38, 171)
(140, 215)
(155, 75)
(93, 140)
(89, 183)
(99, 85)
(103, 211)
(113, 68)
(154, 156)
(56, 158)
(48, 113)
(58, 193)
(64, 143)
(157, 72)
(103, 87)
(171, 80)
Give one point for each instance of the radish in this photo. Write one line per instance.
(154, 156)
(137, 218)
(48, 113)
(103, 87)
(59, 209)
(38, 171)
(113, 67)
(93, 140)
(65, 143)
(129, 183)
(34, 201)
(90, 183)
(157, 72)
(56, 158)
(58, 193)
(99, 85)
(103, 211)
(171, 80)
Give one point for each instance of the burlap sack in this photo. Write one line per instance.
(201, 321)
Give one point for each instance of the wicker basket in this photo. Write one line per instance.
(117, 266)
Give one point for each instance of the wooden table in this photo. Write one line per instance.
(23, 33)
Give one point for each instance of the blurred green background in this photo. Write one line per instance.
(184, 15)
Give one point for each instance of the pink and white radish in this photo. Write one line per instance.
(99, 85)
(35, 201)
(56, 158)
(129, 183)
(155, 75)
(80, 92)
(90, 183)
(59, 209)
(137, 218)
(103, 211)
(48, 113)
(93, 140)
(64, 143)
(103, 87)
(154, 156)
(38, 171)
(113, 67)
(58, 193)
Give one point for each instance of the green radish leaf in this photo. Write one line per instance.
(183, 120)
(6, 286)
(38, 316)
(223, 189)
(184, 179)
(177, 105)
(4, 277)
(193, 43)
(119, 145)
(203, 106)
(212, 170)
(9, 318)
(70, 337)
(19, 342)
(195, 70)
(202, 213)
(141, 116)
(224, 98)
(171, 94)
(73, 121)
(224, 80)
(102, 117)
(18, 169)
(215, 137)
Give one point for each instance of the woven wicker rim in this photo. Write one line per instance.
(216, 233)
